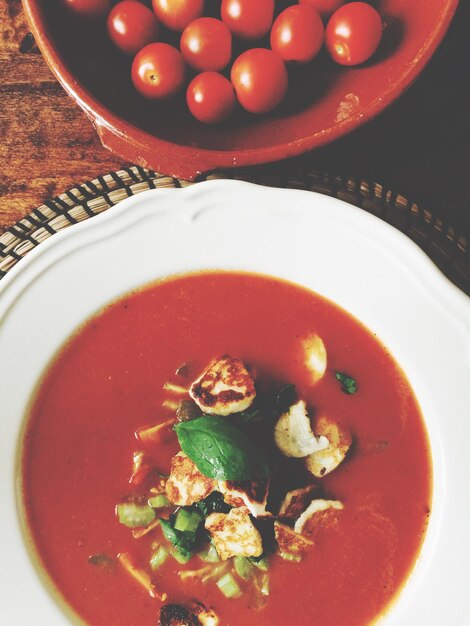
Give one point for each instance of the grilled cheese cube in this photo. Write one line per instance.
(293, 433)
(186, 485)
(250, 493)
(225, 387)
(176, 615)
(315, 357)
(296, 501)
(234, 534)
(289, 541)
(206, 617)
(339, 441)
(319, 514)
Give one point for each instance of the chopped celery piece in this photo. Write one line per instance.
(264, 585)
(243, 567)
(290, 557)
(187, 521)
(209, 554)
(181, 556)
(134, 515)
(262, 564)
(159, 557)
(228, 586)
(159, 502)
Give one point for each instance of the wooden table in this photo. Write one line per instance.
(418, 147)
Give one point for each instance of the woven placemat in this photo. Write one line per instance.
(447, 247)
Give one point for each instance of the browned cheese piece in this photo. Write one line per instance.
(339, 439)
(250, 493)
(234, 534)
(186, 484)
(225, 387)
(319, 515)
(296, 501)
(290, 542)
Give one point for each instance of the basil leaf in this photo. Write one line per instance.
(348, 384)
(220, 450)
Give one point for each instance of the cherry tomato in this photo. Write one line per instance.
(324, 7)
(132, 26)
(353, 33)
(158, 71)
(248, 19)
(88, 9)
(210, 97)
(206, 44)
(297, 33)
(177, 14)
(260, 80)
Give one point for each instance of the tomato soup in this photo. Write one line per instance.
(108, 381)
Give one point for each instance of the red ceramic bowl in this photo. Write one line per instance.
(325, 101)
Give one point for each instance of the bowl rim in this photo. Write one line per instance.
(182, 161)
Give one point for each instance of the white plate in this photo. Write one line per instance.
(354, 259)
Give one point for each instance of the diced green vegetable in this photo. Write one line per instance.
(220, 450)
(209, 554)
(261, 563)
(244, 567)
(183, 540)
(263, 585)
(288, 556)
(187, 521)
(159, 557)
(135, 515)
(215, 571)
(181, 555)
(159, 502)
(228, 586)
(348, 383)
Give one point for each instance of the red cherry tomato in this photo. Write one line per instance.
(324, 7)
(297, 33)
(210, 97)
(248, 19)
(88, 9)
(206, 44)
(353, 33)
(132, 26)
(177, 14)
(158, 71)
(260, 80)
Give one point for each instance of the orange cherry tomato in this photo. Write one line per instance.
(260, 80)
(177, 14)
(210, 97)
(248, 19)
(297, 33)
(206, 44)
(132, 26)
(158, 71)
(88, 9)
(353, 33)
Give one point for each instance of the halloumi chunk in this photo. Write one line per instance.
(339, 439)
(186, 484)
(225, 387)
(296, 501)
(206, 616)
(250, 493)
(319, 514)
(176, 615)
(234, 534)
(315, 356)
(293, 433)
(289, 541)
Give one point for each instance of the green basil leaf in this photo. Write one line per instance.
(348, 383)
(220, 450)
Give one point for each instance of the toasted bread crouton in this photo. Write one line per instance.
(225, 387)
(177, 615)
(206, 616)
(186, 485)
(250, 493)
(293, 433)
(296, 501)
(290, 542)
(233, 534)
(339, 439)
(319, 514)
(315, 357)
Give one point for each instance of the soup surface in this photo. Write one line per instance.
(108, 381)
